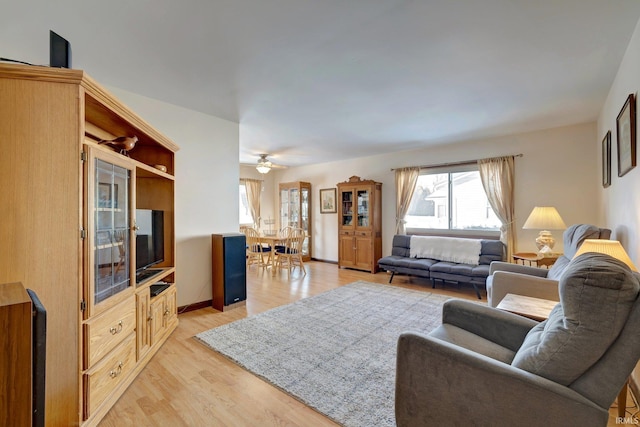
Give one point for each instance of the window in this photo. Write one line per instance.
(452, 200)
(245, 214)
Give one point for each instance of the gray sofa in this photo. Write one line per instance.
(507, 370)
(537, 282)
(400, 262)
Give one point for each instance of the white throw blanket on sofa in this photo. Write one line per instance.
(452, 249)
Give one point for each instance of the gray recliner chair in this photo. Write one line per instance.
(537, 282)
(487, 367)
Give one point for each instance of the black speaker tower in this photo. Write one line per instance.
(229, 270)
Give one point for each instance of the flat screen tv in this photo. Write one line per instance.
(149, 238)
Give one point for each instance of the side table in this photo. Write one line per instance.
(533, 308)
(535, 259)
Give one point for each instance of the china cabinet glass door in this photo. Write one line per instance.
(111, 256)
(295, 211)
(304, 218)
(284, 208)
(363, 208)
(346, 212)
(294, 207)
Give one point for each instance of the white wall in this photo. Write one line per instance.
(556, 169)
(206, 188)
(620, 203)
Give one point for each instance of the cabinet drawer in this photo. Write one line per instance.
(105, 376)
(104, 332)
(346, 232)
(363, 234)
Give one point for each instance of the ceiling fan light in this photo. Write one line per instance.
(263, 166)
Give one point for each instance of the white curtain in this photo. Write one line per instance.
(406, 179)
(497, 175)
(254, 188)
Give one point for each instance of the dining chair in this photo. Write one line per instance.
(290, 255)
(284, 233)
(255, 249)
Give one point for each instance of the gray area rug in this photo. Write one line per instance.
(336, 351)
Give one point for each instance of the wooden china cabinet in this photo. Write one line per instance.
(295, 211)
(68, 227)
(359, 224)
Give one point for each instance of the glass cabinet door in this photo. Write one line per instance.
(294, 207)
(346, 211)
(111, 257)
(295, 211)
(363, 208)
(284, 208)
(304, 218)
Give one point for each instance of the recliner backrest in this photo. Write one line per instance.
(602, 382)
(575, 235)
(572, 238)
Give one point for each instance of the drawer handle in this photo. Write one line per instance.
(115, 372)
(117, 329)
(166, 312)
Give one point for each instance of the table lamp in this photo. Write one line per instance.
(544, 218)
(608, 247)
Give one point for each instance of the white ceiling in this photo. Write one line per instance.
(319, 80)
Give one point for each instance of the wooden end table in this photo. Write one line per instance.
(533, 308)
(534, 258)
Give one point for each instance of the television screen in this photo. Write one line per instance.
(149, 238)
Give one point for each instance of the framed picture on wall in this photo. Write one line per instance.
(606, 160)
(626, 130)
(328, 200)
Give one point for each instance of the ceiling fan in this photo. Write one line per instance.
(264, 165)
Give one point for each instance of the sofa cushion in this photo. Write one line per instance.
(492, 250)
(596, 296)
(390, 261)
(481, 270)
(401, 244)
(418, 263)
(452, 268)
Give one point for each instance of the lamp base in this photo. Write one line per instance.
(545, 243)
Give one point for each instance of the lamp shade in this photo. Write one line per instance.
(608, 247)
(544, 218)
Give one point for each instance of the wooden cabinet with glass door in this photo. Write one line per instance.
(295, 211)
(69, 223)
(119, 332)
(359, 224)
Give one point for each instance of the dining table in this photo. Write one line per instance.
(272, 240)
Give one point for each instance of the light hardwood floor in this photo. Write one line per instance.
(187, 384)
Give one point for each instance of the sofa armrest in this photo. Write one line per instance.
(505, 282)
(501, 327)
(517, 268)
(434, 379)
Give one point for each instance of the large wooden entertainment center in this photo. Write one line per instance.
(68, 201)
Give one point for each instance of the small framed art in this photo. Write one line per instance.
(328, 200)
(626, 133)
(606, 160)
